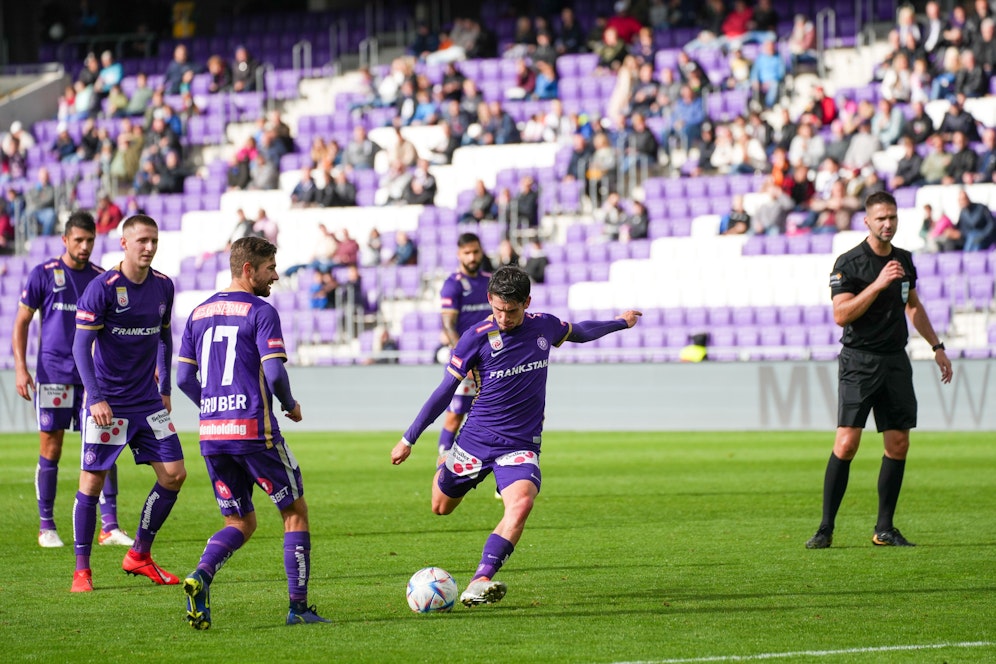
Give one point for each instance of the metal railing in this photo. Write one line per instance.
(826, 21)
(93, 42)
(338, 41)
(301, 56)
(369, 52)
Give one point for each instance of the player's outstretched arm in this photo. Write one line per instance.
(401, 452)
(631, 317)
(589, 330)
(431, 410)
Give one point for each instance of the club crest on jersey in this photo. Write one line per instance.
(542, 343)
(122, 292)
(494, 340)
(162, 309)
(60, 277)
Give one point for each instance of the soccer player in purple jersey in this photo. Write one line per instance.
(233, 340)
(122, 343)
(53, 288)
(509, 355)
(464, 298)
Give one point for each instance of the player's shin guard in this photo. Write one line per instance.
(496, 552)
(297, 564)
(219, 549)
(834, 487)
(109, 501)
(890, 481)
(157, 507)
(46, 479)
(84, 525)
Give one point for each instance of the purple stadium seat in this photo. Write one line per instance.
(976, 263)
(673, 317)
(748, 336)
(676, 337)
(798, 244)
(741, 316)
(696, 317)
(775, 245)
(639, 249)
(980, 291)
(926, 264)
(720, 316)
(816, 314)
(949, 263)
(796, 335)
(790, 315)
(723, 337)
(754, 246)
(930, 288)
(771, 335)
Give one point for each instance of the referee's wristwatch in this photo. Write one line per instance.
(937, 347)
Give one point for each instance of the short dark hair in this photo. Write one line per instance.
(138, 219)
(82, 220)
(880, 197)
(510, 283)
(467, 238)
(252, 250)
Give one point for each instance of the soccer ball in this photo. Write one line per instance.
(431, 590)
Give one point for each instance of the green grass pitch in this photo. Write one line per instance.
(650, 547)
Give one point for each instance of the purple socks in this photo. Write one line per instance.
(109, 501)
(84, 524)
(219, 549)
(297, 563)
(157, 507)
(46, 479)
(496, 552)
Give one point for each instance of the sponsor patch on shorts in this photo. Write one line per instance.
(53, 395)
(114, 434)
(518, 458)
(161, 424)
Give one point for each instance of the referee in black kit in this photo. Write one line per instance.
(872, 286)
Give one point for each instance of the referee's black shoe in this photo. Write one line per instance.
(821, 540)
(891, 537)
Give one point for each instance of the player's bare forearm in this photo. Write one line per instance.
(400, 452)
(294, 414)
(449, 328)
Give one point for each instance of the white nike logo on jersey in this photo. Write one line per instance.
(119, 310)
(58, 290)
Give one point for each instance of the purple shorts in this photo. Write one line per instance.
(274, 470)
(147, 430)
(474, 456)
(58, 406)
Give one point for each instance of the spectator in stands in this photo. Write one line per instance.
(987, 158)
(108, 214)
(919, 127)
(691, 71)
(973, 23)
(421, 189)
(90, 73)
(360, 151)
(13, 165)
(895, 85)
(640, 147)
(971, 80)
(221, 74)
(720, 157)
(822, 107)
(426, 41)
(935, 164)
(636, 224)
(25, 141)
(265, 173)
(921, 81)
(468, 36)
(536, 261)
(240, 164)
(547, 82)
(964, 162)
(305, 192)
(888, 123)
(958, 119)
(802, 43)
(611, 52)
(863, 145)
(497, 126)
(625, 24)
(524, 212)
(442, 151)
(244, 71)
(906, 23)
(644, 97)
(943, 84)
(244, 228)
(610, 215)
(908, 169)
(370, 252)
(117, 102)
(602, 166)
(180, 72)
(124, 164)
(799, 187)
(769, 219)
(643, 50)
(736, 221)
(735, 24)
(985, 46)
(687, 115)
(740, 67)
(713, 12)
(975, 223)
(405, 252)
(392, 186)
(939, 234)
(64, 147)
(66, 104)
(932, 31)
(544, 51)
(807, 147)
(507, 255)
(482, 206)
(39, 205)
(111, 73)
(581, 152)
(570, 36)
(322, 289)
(141, 96)
(834, 213)
(767, 74)
(89, 143)
(339, 191)
(7, 231)
(426, 111)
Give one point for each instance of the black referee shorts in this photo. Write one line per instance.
(868, 381)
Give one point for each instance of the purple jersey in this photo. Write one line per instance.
(228, 338)
(510, 368)
(130, 319)
(468, 296)
(53, 289)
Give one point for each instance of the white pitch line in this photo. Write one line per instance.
(814, 653)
